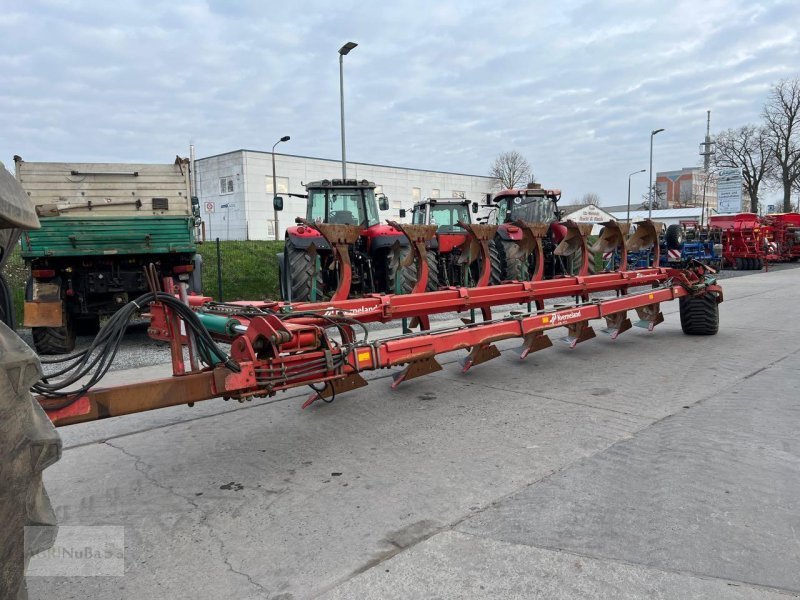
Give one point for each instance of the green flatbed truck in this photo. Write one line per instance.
(100, 225)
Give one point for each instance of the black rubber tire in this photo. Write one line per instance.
(674, 237)
(433, 272)
(55, 340)
(407, 276)
(7, 313)
(496, 263)
(301, 270)
(737, 264)
(514, 268)
(574, 262)
(699, 314)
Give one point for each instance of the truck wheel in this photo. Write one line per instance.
(55, 340)
(7, 315)
(399, 279)
(496, 262)
(301, 273)
(674, 237)
(699, 314)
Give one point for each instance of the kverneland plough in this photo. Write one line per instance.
(276, 346)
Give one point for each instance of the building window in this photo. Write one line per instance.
(457, 194)
(226, 185)
(416, 195)
(435, 193)
(282, 183)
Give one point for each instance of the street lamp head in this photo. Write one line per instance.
(655, 131)
(344, 50)
(285, 138)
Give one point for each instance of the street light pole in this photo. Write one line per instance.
(650, 189)
(343, 51)
(285, 138)
(628, 216)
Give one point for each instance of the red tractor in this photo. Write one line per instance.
(367, 259)
(510, 259)
(447, 263)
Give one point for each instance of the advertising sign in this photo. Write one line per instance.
(729, 191)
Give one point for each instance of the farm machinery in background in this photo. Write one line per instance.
(340, 249)
(744, 240)
(447, 252)
(101, 224)
(548, 250)
(279, 345)
(679, 244)
(783, 235)
(341, 246)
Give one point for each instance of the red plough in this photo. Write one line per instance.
(276, 346)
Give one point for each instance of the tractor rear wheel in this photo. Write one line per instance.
(674, 237)
(433, 271)
(496, 263)
(515, 267)
(55, 340)
(303, 273)
(699, 314)
(400, 279)
(574, 262)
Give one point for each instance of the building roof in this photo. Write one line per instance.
(338, 161)
(667, 213)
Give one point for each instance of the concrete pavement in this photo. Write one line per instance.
(657, 465)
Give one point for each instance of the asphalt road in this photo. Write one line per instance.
(654, 466)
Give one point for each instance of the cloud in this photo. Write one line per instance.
(574, 86)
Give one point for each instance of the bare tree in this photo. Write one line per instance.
(748, 148)
(659, 198)
(510, 170)
(782, 122)
(589, 199)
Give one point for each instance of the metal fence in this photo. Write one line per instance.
(240, 270)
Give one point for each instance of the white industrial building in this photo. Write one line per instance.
(667, 216)
(235, 189)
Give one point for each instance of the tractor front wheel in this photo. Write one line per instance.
(699, 314)
(304, 277)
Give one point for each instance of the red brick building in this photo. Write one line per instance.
(684, 188)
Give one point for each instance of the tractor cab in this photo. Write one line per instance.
(345, 202)
(444, 213)
(532, 204)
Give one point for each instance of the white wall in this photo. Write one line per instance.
(222, 223)
(254, 204)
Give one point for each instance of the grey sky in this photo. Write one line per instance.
(574, 86)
